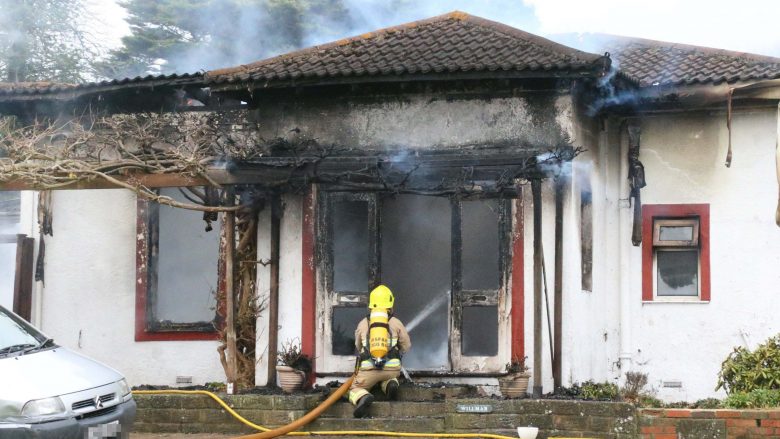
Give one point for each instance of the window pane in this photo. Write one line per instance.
(343, 325)
(479, 331)
(479, 226)
(7, 274)
(187, 264)
(676, 233)
(678, 273)
(350, 246)
(416, 265)
(10, 208)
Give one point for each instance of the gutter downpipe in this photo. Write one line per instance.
(624, 250)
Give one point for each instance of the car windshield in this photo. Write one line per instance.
(17, 335)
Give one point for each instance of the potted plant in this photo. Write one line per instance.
(293, 365)
(515, 383)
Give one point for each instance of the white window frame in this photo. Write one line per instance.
(671, 246)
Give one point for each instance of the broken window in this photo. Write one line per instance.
(350, 245)
(442, 257)
(416, 265)
(181, 278)
(475, 311)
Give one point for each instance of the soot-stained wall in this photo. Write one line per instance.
(421, 121)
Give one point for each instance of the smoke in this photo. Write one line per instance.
(245, 32)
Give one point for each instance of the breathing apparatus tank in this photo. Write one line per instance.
(380, 304)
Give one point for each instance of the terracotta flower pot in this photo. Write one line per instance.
(290, 379)
(515, 385)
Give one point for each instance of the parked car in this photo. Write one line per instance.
(48, 391)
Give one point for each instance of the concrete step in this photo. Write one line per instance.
(426, 425)
(422, 392)
(389, 409)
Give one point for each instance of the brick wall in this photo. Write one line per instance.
(423, 413)
(709, 424)
(199, 414)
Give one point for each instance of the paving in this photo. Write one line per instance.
(179, 436)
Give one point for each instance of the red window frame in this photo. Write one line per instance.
(671, 211)
(142, 332)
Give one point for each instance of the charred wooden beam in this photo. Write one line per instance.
(273, 299)
(23, 280)
(536, 191)
(146, 180)
(560, 183)
(636, 175)
(230, 291)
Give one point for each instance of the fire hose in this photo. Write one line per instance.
(267, 433)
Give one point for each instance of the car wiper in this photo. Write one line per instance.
(16, 348)
(40, 345)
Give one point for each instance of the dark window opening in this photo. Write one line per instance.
(479, 329)
(343, 324)
(444, 258)
(181, 278)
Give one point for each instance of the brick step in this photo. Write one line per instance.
(389, 409)
(426, 425)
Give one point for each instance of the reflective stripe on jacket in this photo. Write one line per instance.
(400, 339)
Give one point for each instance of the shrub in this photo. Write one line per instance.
(755, 399)
(599, 391)
(650, 402)
(745, 370)
(634, 387)
(708, 403)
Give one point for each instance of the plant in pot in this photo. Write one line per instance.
(515, 383)
(293, 366)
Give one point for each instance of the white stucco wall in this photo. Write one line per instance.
(684, 162)
(263, 285)
(89, 295)
(290, 266)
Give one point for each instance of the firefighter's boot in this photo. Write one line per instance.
(390, 388)
(361, 408)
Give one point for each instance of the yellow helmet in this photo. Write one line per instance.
(381, 297)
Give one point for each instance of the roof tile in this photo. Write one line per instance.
(455, 42)
(653, 63)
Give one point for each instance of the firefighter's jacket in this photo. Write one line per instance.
(398, 338)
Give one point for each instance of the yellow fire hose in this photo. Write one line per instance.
(268, 433)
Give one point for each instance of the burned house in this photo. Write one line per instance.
(522, 199)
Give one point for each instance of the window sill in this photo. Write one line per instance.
(686, 302)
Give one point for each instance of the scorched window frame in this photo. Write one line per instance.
(459, 298)
(147, 326)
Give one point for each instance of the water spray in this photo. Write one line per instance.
(427, 311)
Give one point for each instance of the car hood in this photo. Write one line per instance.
(50, 372)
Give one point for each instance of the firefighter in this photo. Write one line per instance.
(381, 339)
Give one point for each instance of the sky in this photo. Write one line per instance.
(744, 25)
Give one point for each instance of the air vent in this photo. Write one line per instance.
(183, 380)
(97, 413)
